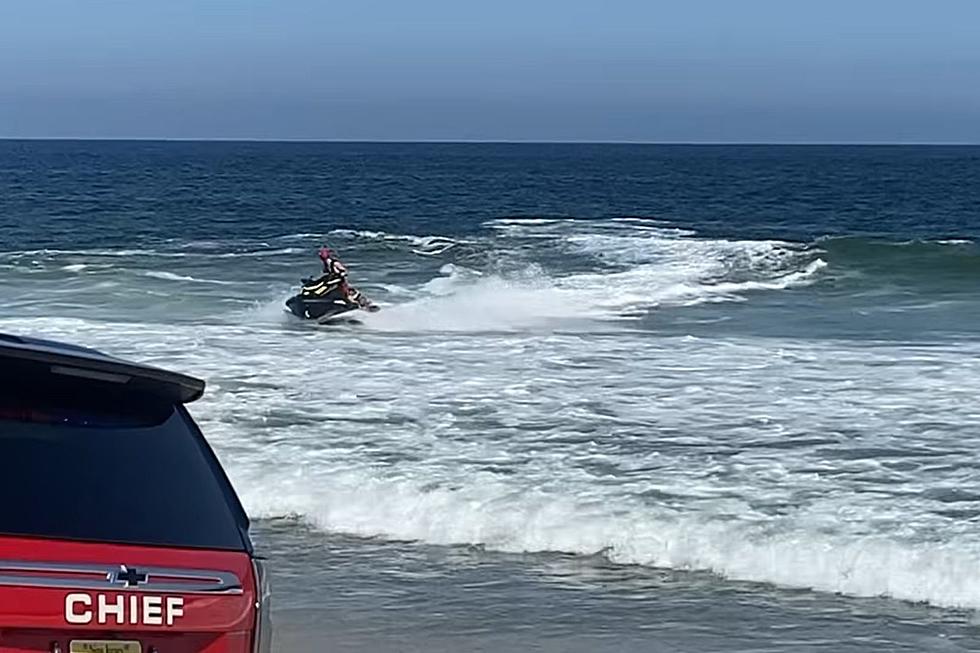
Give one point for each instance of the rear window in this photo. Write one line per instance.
(128, 471)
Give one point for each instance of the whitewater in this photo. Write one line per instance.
(531, 390)
(618, 398)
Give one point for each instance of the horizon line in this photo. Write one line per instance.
(368, 141)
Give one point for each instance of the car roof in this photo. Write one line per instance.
(68, 360)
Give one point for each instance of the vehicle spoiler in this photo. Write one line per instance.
(23, 355)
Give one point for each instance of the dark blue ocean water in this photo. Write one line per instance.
(125, 190)
(618, 397)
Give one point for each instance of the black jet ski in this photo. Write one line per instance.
(323, 299)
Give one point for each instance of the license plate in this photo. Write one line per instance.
(103, 646)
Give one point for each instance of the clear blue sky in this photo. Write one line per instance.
(635, 70)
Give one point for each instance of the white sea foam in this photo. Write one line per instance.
(125, 252)
(213, 251)
(458, 415)
(171, 276)
(656, 269)
(424, 244)
(259, 253)
(585, 445)
(505, 518)
(484, 304)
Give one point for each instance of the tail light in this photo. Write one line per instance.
(262, 636)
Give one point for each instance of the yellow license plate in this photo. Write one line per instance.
(103, 646)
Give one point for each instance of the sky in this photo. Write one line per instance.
(515, 70)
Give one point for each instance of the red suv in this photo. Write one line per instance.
(119, 531)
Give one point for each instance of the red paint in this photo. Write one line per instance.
(32, 618)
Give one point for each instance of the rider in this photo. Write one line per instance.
(332, 265)
(337, 270)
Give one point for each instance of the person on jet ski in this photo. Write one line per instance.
(337, 270)
(331, 264)
(334, 269)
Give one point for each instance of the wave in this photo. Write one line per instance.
(645, 255)
(270, 439)
(547, 273)
(207, 252)
(598, 270)
(259, 253)
(299, 236)
(501, 518)
(465, 300)
(15, 254)
(910, 262)
(170, 276)
(425, 245)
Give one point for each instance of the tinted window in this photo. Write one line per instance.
(110, 471)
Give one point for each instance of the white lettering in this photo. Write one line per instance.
(153, 610)
(116, 608)
(175, 608)
(134, 614)
(81, 609)
(72, 615)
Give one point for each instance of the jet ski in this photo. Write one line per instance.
(323, 300)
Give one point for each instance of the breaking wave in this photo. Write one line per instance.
(913, 262)
(591, 270)
(170, 276)
(503, 518)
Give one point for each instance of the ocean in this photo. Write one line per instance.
(618, 397)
